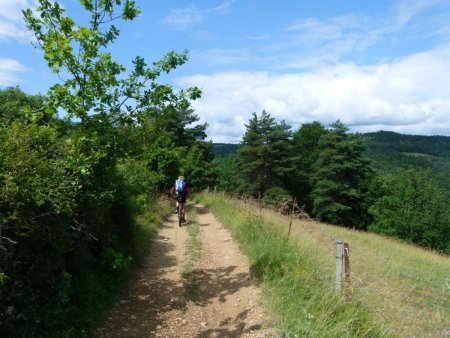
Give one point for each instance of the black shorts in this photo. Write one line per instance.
(181, 197)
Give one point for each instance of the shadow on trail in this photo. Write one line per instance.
(138, 312)
(218, 282)
(200, 209)
(238, 329)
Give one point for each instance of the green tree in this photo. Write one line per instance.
(413, 208)
(97, 91)
(341, 179)
(198, 167)
(306, 148)
(228, 178)
(16, 106)
(265, 156)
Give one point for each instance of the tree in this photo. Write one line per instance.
(413, 208)
(306, 148)
(227, 170)
(197, 165)
(265, 156)
(341, 179)
(97, 91)
(17, 106)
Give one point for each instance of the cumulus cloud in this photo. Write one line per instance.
(9, 70)
(409, 95)
(12, 27)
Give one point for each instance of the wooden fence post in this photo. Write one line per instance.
(292, 217)
(348, 284)
(338, 265)
(259, 203)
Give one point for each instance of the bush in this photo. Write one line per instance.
(275, 196)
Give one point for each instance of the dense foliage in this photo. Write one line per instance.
(413, 208)
(70, 191)
(341, 177)
(265, 156)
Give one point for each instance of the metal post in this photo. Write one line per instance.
(338, 264)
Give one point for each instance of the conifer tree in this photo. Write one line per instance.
(265, 156)
(306, 141)
(341, 179)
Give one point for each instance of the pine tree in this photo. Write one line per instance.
(341, 179)
(306, 147)
(265, 157)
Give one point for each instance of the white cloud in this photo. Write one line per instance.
(9, 70)
(12, 27)
(409, 95)
(183, 19)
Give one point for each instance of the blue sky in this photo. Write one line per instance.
(375, 65)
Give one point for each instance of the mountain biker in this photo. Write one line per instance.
(180, 192)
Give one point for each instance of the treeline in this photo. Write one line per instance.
(329, 174)
(70, 191)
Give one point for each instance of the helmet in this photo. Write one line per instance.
(181, 177)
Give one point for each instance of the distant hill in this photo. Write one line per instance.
(414, 144)
(224, 149)
(390, 151)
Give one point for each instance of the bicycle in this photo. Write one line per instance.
(181, 213)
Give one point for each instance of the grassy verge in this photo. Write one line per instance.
(400, 287)
(147, 225)
(193, 252)
(297, 290)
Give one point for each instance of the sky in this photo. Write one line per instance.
(373, 65)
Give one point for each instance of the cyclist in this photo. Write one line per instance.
(180, 192)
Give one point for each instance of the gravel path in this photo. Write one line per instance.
(219, 300)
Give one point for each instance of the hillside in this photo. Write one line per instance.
(391, 151)
(224, 149)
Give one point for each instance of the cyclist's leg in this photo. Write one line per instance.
(183, 209)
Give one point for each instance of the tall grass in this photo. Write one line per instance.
(403, 285)
(298, 290)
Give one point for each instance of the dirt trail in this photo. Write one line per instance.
(159, 302)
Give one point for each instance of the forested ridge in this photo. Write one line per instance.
(73, 185)
(390, 152)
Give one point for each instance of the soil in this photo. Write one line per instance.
(218, 299)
